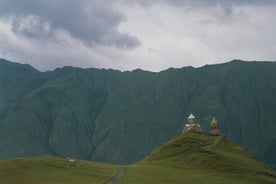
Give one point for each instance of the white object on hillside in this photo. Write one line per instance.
(71, 160)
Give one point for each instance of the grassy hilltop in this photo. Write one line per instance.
(198, 158)
(192, 158)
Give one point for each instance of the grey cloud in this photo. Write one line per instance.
(93, 22)
(30, 26)
(225, 5)
(203, 3)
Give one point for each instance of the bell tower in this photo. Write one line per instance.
(214, 129)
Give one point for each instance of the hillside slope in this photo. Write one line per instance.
(199, 158)
(120, 117)
(192, 158)
(53, 170)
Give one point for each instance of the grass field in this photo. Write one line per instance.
(190, 158)
(53, 170)
(195, 158)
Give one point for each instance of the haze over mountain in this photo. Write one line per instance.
(120, 117)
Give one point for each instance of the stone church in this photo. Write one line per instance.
(192, 126)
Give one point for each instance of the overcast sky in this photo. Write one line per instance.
(128, 34)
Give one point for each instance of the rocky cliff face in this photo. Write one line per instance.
(119, 117)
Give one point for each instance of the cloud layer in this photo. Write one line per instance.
(128, 34)
(93, 22)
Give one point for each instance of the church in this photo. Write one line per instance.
(193, 126)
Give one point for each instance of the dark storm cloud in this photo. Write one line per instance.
(93, 22)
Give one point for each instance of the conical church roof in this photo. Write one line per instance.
(191, 116)
(214, 121)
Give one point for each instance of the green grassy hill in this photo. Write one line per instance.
(53, 170)
(199, 158)
(85, 113)
(191, 158)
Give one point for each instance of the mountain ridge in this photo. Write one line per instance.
(85, 113)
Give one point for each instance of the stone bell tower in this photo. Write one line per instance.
(214, 129)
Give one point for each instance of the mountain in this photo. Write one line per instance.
(120, 117)
(190, 158)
